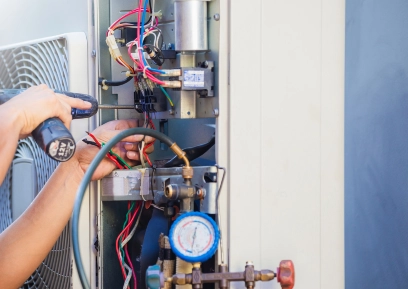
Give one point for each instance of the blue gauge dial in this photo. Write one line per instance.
(194, 237)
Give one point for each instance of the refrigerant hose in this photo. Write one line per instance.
(88, 176)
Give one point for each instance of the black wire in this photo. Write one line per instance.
(113, 83)
(90, 142)
(151, 12)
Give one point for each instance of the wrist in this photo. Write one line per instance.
(13, 122)
(73, 168)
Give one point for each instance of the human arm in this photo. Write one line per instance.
(24, 112)
(25, 244)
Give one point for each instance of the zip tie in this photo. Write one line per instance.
(128, 73)
(104, 86)
(144, 70)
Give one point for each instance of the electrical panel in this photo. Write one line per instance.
(158, 223)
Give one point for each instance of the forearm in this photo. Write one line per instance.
(26, 243)
(9, 135)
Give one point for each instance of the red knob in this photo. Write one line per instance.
(286, 274)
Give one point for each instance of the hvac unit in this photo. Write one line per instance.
(61, 63)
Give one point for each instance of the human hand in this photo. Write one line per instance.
(126, 149)
(39, 103)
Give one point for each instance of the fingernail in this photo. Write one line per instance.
(131, 154)
(87, 102)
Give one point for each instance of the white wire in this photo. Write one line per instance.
(141, 154)
(158, 37)
(124, 242)
(152, 13)
(128, 277)
(157, 207)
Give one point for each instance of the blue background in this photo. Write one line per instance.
(376, 144)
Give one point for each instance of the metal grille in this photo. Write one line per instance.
(44, 62)
(5, 202)
(22, 67)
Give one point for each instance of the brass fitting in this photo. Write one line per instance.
(178, 151)
(264, 275)
(187, 171)
(197, 265)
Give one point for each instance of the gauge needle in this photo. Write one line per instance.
(194, 237)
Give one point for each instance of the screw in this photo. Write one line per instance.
(216, 112)
(116, 174)
(216, 17)
(171, 111)
(93, 53)
(169, 46)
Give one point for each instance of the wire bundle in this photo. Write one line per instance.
(142, 146)
(121, 243)
(115, 158)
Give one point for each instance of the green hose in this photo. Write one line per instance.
(87, 178)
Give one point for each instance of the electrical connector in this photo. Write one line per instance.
(113, 47)
(172, 83)
(171, 72)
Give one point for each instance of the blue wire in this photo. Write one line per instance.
(156, 70)
(142, 28)
(141, 38)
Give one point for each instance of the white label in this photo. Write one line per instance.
(193, 78)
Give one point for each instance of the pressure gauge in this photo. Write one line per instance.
(194, 237)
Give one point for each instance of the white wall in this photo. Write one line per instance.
(283, 138)
(23, 20)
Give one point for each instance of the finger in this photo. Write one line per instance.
(133, 155)
(131, 146)
(39, 87)
(125, 124)
(138, 138)
(75, 102)
(65, 114)
(150, 149)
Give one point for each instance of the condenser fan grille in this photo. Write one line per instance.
(23, 66)
(44, 62)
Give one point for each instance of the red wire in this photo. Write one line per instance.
(112, 158)
(118, 238)
(137, 10)
(131, 266)
(149, 145)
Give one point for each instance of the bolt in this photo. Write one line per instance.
(216, 17)
(171, 111)
(93, 53)
(216, 112)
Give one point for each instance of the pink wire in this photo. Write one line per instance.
(124, 16)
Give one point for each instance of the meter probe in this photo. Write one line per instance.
(52, 136)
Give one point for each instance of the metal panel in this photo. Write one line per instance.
(286, 160)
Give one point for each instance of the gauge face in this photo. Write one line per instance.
(194, 237)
